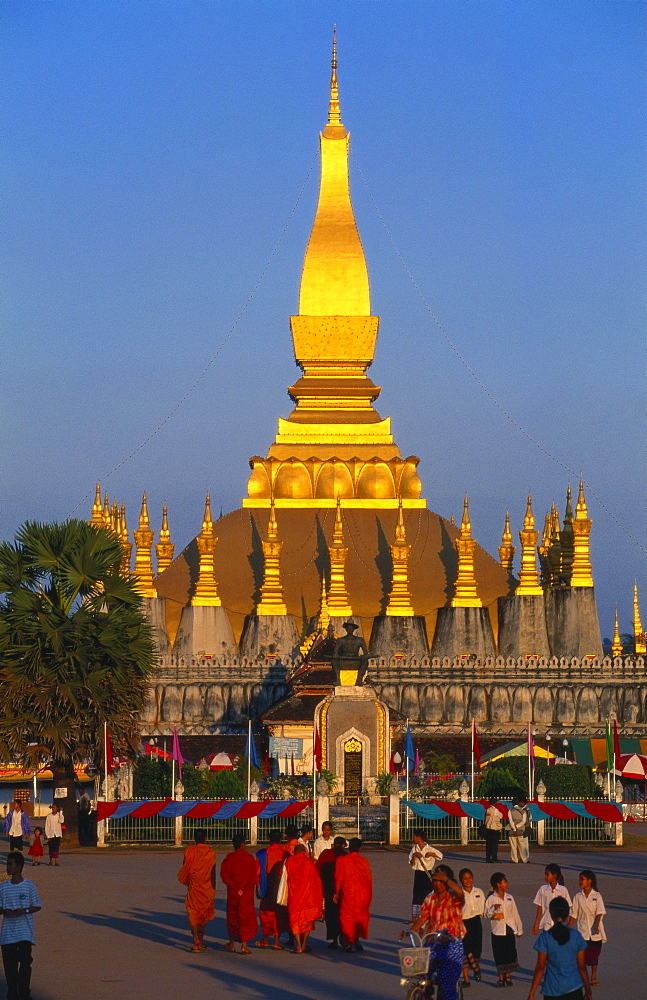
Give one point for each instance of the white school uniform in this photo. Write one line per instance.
(473, 903)
(543, 898)
(511, 916)
(585, 909)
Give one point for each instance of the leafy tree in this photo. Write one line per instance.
(561, 780)
(76, 651)
(439, 763)
(498, 782)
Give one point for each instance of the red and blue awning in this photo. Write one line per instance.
(198, 809)
(607, 812)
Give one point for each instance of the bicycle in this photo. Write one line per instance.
(415, 972)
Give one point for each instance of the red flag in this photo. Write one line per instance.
(266, 763)
(616, 745)
(391, 765)
(476, 749)
(108, 754)
(317, 750)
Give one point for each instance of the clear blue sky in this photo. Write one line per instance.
(152, 155)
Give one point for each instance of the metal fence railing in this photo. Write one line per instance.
(437, 831)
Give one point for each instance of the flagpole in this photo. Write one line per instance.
(314, 779)
(249, 757)
(473, 731)
(105, 759)
(406, 764)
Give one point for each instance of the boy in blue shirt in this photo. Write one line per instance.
(19, 900)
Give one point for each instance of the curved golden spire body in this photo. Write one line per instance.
(338, 602)
(528, 576)
(271, 602)
(143, 553)
(400, 598)
(616, 645)
(465, 594)
(581, 572)
(206, 591)
(165, 547)
(640, 639)
(506, 548)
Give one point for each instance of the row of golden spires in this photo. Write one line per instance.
(563, 555)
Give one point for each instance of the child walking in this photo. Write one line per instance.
(19, 900)
(36, 850)
(505, 924)
(473, 910)
(554, 886)
(588, 910)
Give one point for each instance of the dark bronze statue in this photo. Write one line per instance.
(350, 654)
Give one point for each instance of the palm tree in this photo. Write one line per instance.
(75, 651)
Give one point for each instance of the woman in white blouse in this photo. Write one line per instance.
(473, 910)
(588, 910)
(553, 886)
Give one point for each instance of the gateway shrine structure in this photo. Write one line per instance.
(334, 527)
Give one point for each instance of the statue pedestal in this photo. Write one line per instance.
(355, 737)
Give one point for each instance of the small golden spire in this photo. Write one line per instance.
(206, 591)
(106, 511)
(400, 605)
(452, 521)
(581, 575)
(640, 639)
(334, 113)
(143, 553)
(544, 549)
(324, 612)
(555, 550)
(616, 645)
(338, 602)
(271, 602)
(506, 548)
(97, 508)
(528, 576)
(126, 545)
(164, 548)
(465, 594)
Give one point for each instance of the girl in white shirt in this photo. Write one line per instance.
(588, 910)
(505, 924)
(554, 886)
(473, 910)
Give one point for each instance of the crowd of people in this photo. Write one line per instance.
(456, 909)
(298, 881)
(17, 827)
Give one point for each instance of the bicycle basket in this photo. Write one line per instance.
(414, 961)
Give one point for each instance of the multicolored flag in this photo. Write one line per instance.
(317, 750)
(616, 745)
(416, 769)
(609, 742)
(409, 749)
(250, 749)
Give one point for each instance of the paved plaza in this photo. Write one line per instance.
(113, 925)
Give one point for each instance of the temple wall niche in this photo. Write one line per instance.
(565, 707)
(193, 708)
(432, 703)
(455, 703)
(391, 695)
(630, 706)
(500, 704)
(477, 704)
(608, 703)
(521, 705)
(215, 703)
(411, 701)
(587, 706)
(151, 710)
(237, 703)
(172, 703)
(543, 706)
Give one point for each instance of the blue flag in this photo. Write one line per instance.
(250, 750)
(409, 749)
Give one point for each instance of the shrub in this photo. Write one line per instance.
(498, 783)
(561, 780)
(152, 778)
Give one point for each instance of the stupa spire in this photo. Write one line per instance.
(126, 545)
(566, 540)
(106, 511)
(338, 603)
(164, 548)
(581, 574)
(143, 553)
(97, 509)
(399, 604)
(555, 550)
(528, 576)
(271, 602)
(506, 548)
(640, 643)
(616, 645)
(324, 611)
(206, 591)
(466, 595)
(544, 551)
(334, 113)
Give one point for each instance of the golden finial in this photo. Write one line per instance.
(106, 511)
(544, 549)
(640, 639)
(271, 602)
(566, 540)
(528, 576)
(334, 112)
(452, 521)
(616, 645)
(122, 532)
(123, 526)
(206, 591)
(581, 573)
(143, 553)
(506, 548)
(465, 594)
(97, 508)
(338, 602)
(324, 612)
(164, 548)
(399, 604)
(555, 550)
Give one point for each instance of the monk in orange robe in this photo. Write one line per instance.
(273, 917)
(199, 873)
(354, 885)
(240, 871)
(305, 896)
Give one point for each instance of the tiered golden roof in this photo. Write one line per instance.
(206, 591)
(465, 594)
(528, 577)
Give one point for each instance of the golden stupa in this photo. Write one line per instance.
(334, 477)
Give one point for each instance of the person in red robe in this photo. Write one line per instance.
(292, 834)
(240, 871)
(305, 896)
(273, 918)
(326, 868)
(354, 885)
(198, 873)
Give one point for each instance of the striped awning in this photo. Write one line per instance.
(594, 751)
(608, 812)
(198, 809)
